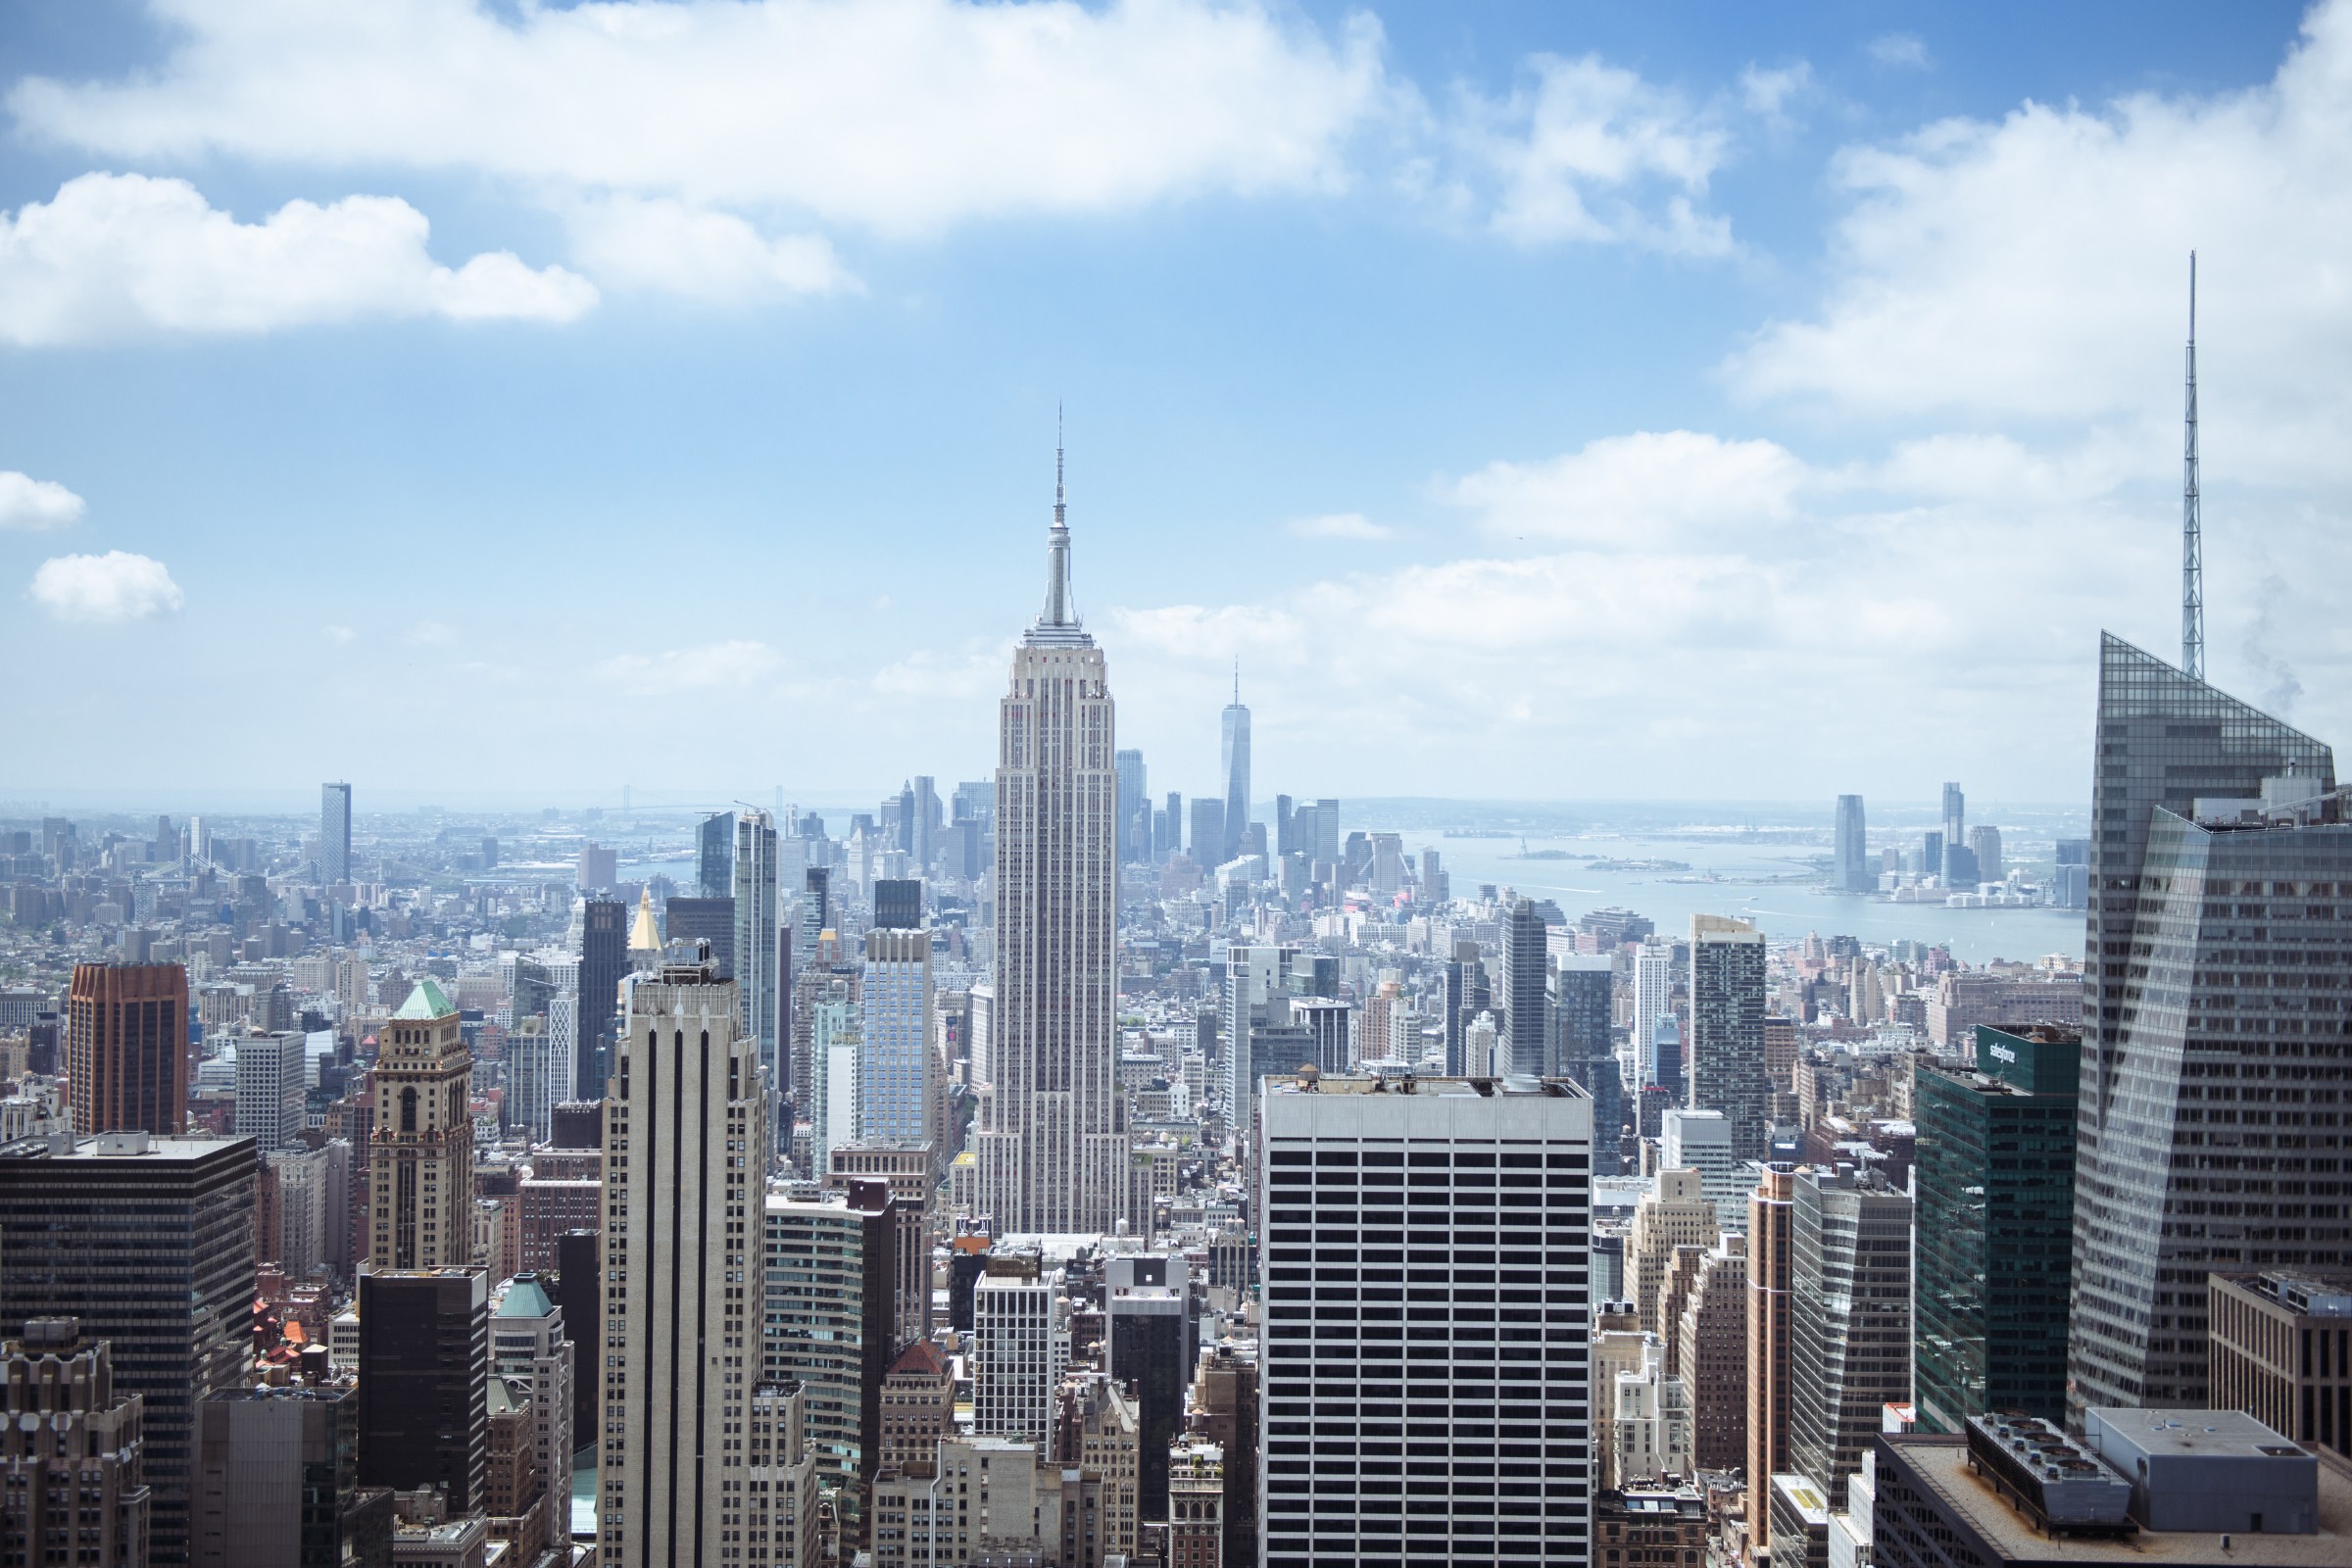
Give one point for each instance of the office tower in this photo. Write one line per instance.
(1135, 808)
(1327, 830)
(1955, 816)
(1233, 765)
(830, 1267)
(831, 1065)
(1225, 1399)
(1710, 1345)
(1021, 1348)
(782, 1479)
(918, 1409)
(604, 960)
(758, 987)
(1254, 975)
(1995, 1178)
(530, 1349)
(2263, 1329)
(1582, 1000)
(1388, 863)
(715, 855)
(1985, 843)
(421, 1152)
(72, 1455)
(1959, 867)
(685, 1153)
(1338, 1378)
(1209, 833)
(1052, 1133)
(1168, 827)
(690, 922)
(897, 904)
(1851, 869)
(1675, 1213)
(271, 1092)
(127, 1047)
(1769, 1261)
(599, 867)
(1701, 1141)
(2213, 923)
(1654, 999)
(425, 1373)
(1526, 1020)
(1147, 1301)
(1849, 1327)
(150, 1244)
(334, 833)
(898, 1089)
(816, 910)
(277, 1481)
(579, 1292)
(1726, 1048)
(1465, 999)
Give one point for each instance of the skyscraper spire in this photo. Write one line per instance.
(2193, 524)
(1237, 680)
(1058, 621)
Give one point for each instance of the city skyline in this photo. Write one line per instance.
(1464, 540)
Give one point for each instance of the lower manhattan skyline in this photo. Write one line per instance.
(1654, 877)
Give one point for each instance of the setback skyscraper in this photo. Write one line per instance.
(1053, 1138)
(2211, 1024)
(421, 1153)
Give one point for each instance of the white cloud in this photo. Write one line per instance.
(114, 587)
(29, 502)
(1341, 525)
(342, 636)
(735, 664)
(2035, 269)
(1900, 49)
(662, 244)
(1638, 491)
(1593, 152)
(431, 634)
(1768, 91)
(899, 117)
(123, 254)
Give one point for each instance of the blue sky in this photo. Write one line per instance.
(1557, 401)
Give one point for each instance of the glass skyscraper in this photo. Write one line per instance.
(1996, 1212)
(2213, 1023)
(1852, 871)
(1235, 758)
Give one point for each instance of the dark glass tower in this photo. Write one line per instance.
(604, 960)
(1996, 1216)
(1725, 1053)
(1526, 1018)
(424, 1376)
(1851, 871)
(334, 833)
(715, 855)
(2212, 1023)
(1583, 1048)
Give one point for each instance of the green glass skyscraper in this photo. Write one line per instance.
(1996, 1217)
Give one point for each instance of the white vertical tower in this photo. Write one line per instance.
(685, 1166)
(1054, 1142)
(2193, 521)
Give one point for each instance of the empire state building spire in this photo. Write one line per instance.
(1058, 624)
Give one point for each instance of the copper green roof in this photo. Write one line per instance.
(525, 1297)
(425, 1000)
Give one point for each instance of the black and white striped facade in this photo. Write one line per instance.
(1427, 1376)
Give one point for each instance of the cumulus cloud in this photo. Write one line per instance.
(29, 502)
(1586, 151)
(1341, 525)
(117, 586)
(662, 244)
(737, 663)
(899, 116)
(2034, 267)
(1627, 491)
(114, 255)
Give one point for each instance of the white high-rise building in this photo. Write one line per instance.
(271, 1103)
(1653, 997)
(528, 1346)
(755, 947)
(1361, 1180)
(1020, 1349)
(832, 1072)
(1052, 1135)
(1701, 1141)
(685, 1166)
(898, 1089)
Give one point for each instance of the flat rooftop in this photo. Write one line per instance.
(1942, 1465)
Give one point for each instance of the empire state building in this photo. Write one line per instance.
(1053, 1138)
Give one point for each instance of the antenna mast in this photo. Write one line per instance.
(2193, 524)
